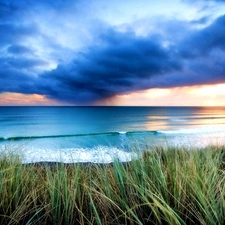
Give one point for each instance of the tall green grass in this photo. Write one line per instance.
(164, 186)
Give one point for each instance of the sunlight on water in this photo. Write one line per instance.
(87, 131)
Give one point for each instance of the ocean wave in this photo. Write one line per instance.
(54, 136)
(197, 130)
(17, 138)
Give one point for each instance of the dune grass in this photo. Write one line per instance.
(165, 186)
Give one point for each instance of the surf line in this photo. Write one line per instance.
(17, 138)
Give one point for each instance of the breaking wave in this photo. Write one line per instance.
(15, 138)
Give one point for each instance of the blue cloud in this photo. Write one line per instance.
(12, 33)
(119, 62)
(202, 20)
(204, 41)
(19, 50)
(12, 80)
(123, 62)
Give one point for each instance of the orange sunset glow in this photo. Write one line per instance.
(10, 99)
(204, 95)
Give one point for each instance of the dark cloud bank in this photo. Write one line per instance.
(120, 63)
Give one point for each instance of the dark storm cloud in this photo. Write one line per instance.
(18, 61)
(12, 80)
(14, 23)
(8, 11)
(24, 63)
(202, 42)
(120, 62)
(12, 8)
(202, 20)
(123, 62)
(16, 18)
(12, 33)
(19, 49)
(16, 74)
(203, 57)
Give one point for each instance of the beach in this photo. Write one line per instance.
(112, 165)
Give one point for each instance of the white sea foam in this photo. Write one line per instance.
(100, 154)
(122, 132)
(195, 140)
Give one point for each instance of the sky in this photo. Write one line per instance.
(113, 53)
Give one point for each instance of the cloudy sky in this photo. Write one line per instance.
(99, 52)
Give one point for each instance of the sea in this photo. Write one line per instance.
(104, 134)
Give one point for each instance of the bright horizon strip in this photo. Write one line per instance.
(18, 99)
(202, 95)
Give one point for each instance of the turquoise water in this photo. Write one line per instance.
(99, 134)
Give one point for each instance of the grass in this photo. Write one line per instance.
(164, 186)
